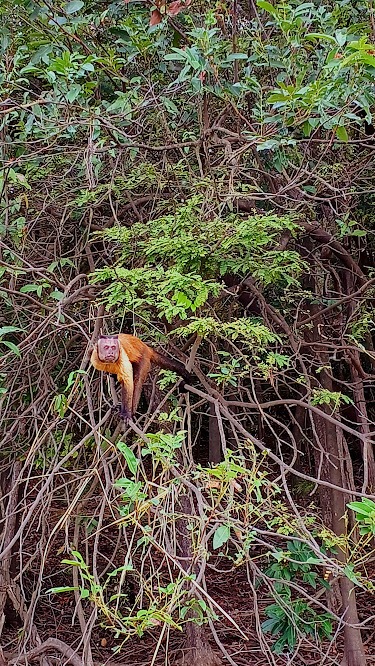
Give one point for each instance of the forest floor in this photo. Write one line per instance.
(56, 617)
(228, 586)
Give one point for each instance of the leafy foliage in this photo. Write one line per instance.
(290, 618)
(294, 619)
(365, 515)
(333, 398)
(188, 241)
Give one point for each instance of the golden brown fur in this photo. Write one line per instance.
(132, 367)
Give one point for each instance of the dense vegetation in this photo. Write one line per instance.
(199, 174)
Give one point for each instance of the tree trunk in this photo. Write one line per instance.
(333, 460)
(363, 425)
(197, 651)
(214, 442)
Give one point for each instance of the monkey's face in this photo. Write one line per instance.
(108, 349)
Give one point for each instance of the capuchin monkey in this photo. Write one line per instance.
(130, 359)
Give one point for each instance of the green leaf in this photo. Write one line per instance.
(131, 459)
(125, 567)
(310, 578)
(11, 346)
(59, 590)
(268, 145)
(72, 377)
(27, 288)
(237, 56)
(178, 54)
(341, 133)
(341, 37)
(57, 295)
(73, 92)
(84, 593)
(221, 536)
(369, 60)
(60, 20)
(271, 626)
(73, 6)
(42, 54)
(9, 329)
(320, 35)
(263, 4)
(366, 507)
(349, 573)
(170, 106)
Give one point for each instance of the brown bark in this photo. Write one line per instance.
(364, 428)
(197, 651)
(333, 464)
(336, 468)
(357, 373)
(332, 459)
(8, 534)
(214, 442)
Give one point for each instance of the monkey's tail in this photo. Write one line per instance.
(170, 364)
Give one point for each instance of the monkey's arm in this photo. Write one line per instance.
(140, 372)
(126, 403)
(125, 377)
(120, 366)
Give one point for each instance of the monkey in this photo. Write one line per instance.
(130, 359)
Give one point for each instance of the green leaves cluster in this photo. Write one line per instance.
(170, 292)
(179, 260)
(190, 241)
(333, 398)
(7, 330)
(290, 618)
(365, 515)
(324, 67)
(314, 71)
(294, 619)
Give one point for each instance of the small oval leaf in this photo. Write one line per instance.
(221, 536)
(341, 133)
(73, 6)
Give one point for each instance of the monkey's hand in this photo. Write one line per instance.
(122, 412)
(125, 414)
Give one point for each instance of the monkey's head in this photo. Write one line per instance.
(108, 348)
